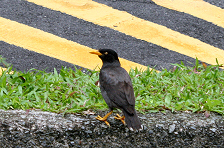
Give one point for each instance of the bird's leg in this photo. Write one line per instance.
(118, 117)
(105, 118)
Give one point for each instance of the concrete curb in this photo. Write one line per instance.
(20, 128)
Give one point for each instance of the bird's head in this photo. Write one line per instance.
(108, 56)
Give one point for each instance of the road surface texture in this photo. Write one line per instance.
(42, 129)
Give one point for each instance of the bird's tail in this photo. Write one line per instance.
(132, 121)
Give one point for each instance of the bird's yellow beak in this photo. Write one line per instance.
(96, 52)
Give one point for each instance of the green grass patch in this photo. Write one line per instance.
(198, 89)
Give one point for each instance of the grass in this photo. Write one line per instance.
(197, 89)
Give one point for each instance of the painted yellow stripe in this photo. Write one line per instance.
(42, 42)
(124, 22)
(198, 8)
(76, 2)
(4, 69)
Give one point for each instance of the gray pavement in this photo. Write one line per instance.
(42, 129)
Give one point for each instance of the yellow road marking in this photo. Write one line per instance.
(1, 70)
(198, 8)
(75, 2)
(42, 42)
(124, 22)
(4, 69)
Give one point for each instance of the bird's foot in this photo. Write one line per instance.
(118, 117)
(104, 118)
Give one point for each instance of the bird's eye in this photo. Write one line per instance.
(106, 53)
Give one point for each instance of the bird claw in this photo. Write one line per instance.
(103, 119)
(99, 118)
(107, 123)
(118, 117)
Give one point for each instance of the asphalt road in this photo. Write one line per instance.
(97, 36)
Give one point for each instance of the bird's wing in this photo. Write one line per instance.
(118, 87)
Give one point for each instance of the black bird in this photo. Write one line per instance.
(117, 89)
